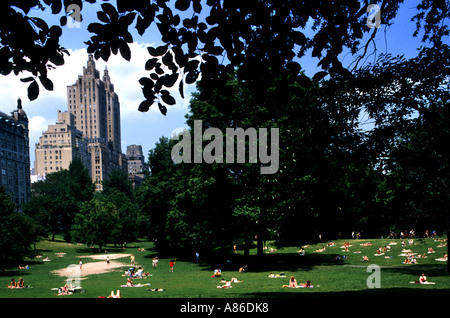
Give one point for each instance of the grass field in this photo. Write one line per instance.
(328, 272)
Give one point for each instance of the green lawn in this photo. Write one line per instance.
(191, 280)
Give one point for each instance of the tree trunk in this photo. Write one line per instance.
(259, 246)
(246, 248)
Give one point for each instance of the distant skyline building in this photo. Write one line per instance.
(136, 164)
(59, 145)
(96, 110)
(15, 154)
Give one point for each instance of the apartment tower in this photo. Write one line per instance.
(96, 111)
(59, 145)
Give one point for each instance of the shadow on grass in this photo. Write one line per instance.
(430, 270)
(269, 262)
(364, 295)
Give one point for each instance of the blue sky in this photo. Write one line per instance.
(146, 128)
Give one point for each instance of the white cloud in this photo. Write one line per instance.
(36, 125)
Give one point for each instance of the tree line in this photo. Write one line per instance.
(66, 205)
(336, 175)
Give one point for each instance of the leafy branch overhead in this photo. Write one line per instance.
(211, 38)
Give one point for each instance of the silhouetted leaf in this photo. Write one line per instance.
(160, 50)
(145, 105)
(151, 63)
(27, 79)
(191, 77)
(216, 50)
(181, 88)
(319, 75)
(46, 82)
(170, 79)
(145, 81)
(127, 19)
(293, 67)
(162, 109)
(111, 11)
(125, 50)
(102, 16)
(168, 61)
(33, 90)
(182, 5)
(197, 6)
(167, 98)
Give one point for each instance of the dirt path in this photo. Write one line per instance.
(92, 268)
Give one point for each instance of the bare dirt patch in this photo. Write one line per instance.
(92, 268)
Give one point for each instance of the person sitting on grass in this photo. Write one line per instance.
(129, 282)
(365, 258)
(422, 279)
(217, 273)
(20, 283)
(292, 283)
(13, 283)
(139, 272)
(243, 269)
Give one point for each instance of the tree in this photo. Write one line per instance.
(55, 201)
(52, 203)
(81, 183)
(16, 235)
(118, 190)
(118, 181)
(404, 99)
(155, 193)
(128, 217)
(96, 224)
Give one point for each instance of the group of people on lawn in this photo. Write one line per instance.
(14, 284)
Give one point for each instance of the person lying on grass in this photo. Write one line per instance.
(227, 284)
(293, 284)
(63, 290)
(114, 295)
